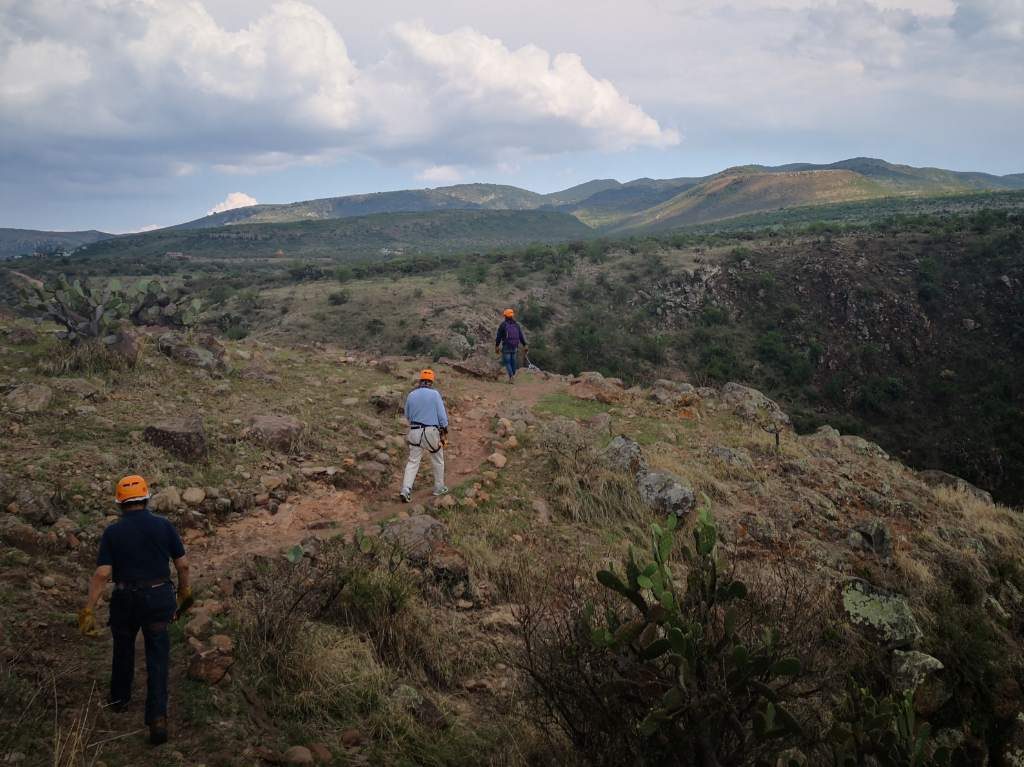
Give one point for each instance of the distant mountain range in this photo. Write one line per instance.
(611, 206)
(605, 206)
(16, 242)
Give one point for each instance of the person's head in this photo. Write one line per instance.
(427, 377)
(131, 493)
(509, 314)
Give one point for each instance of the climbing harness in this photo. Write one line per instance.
(424, 436)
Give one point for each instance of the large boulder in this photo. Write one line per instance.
(918, 674)
(885, 615)
(477, 366)
(78, 387)
(29, 398)
(752, 405)
(665, 493)
(874, 536)
(864, 446)
(416, 536)
(280, 432)
(623, 454)
(183, 437)
(732, 456)
(424, 541)
(386, 399)
(204, 351)
(936, 478)
(459, 346)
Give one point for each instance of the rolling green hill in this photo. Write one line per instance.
(17, 242)
(361, 237)
(644, 203)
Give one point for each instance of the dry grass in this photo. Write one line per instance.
(999, 523)
(87, 358)
(335, 674)
(582, 487)
(72, 740)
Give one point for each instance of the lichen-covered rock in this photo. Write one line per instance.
(416, 536)
(665, 493)
(78, 387)
(874, 536)
(826, 436)
(753, 405)
(886, 615)
(623, 454)
(29, 398)
(918, 674)
(204, 351)
(184, 437)
(386, 399)
(864, 447)
(167, 500)
(280, 432)
(733, 456)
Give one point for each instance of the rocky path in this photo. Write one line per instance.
(325, 512)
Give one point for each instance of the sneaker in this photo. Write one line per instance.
(158, 731)
(406, 496)
(442, 491)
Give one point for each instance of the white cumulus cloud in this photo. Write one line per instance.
(445, 174)
(186, 91)
(478, 76)
(232, 201)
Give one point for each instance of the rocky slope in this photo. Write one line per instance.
(271, 457)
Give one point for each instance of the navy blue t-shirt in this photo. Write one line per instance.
(138, 547)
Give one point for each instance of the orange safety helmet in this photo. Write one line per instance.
(510, 313)
(427, 375)
(131, 488)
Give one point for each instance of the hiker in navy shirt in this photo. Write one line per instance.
(510, 337)
(134, 553)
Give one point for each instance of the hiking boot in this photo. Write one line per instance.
(406, 496)
(158, 731)
(118, 706)
(442, 491)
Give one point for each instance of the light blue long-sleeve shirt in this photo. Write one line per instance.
(424, 405)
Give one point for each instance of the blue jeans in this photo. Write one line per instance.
(510, 360)
(149, 609)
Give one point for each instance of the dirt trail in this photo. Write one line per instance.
(325, 512)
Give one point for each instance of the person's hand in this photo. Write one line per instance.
(87, 623)
(497, 351)
(185, 601)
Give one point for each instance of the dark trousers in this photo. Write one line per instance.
(149, 609)
(510, 358)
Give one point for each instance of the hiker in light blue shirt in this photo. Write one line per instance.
(428, 430)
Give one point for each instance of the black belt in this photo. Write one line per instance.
(135, 585)
(418, 425)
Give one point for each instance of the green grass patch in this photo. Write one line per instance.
(568, 406)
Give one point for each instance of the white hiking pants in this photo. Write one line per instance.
(423, 441)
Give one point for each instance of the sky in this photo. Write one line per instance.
(123, 115)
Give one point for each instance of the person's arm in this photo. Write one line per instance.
(522, 335)
(96, 585)
(407, 398)
(442, 414)
(184, 579)
(500, 337)
(86, 616)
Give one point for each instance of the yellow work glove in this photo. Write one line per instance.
(185, 601)
(87, 622)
